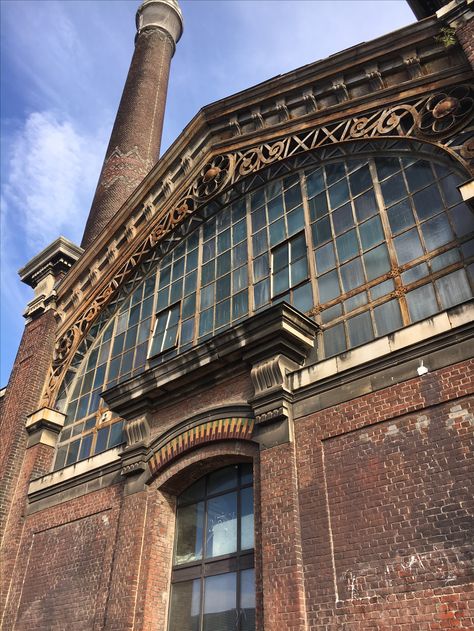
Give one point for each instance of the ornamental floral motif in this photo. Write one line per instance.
(213, 177)
(446, 112)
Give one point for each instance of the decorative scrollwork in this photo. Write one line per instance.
(259, 157)
(446, 112)
(214, 176)
(431, 117)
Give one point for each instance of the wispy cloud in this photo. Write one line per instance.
(51, 171)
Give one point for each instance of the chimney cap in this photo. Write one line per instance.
(163, 14)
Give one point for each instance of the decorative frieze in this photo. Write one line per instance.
(225, 170)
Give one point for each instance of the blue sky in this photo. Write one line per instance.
(63, 66)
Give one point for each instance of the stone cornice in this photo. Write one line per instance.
(280, 329)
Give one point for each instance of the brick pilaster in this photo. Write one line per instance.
(283, 575)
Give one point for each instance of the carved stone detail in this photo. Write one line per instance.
(258, 121)
(413, 65)
(310, 102)
(341, 91)
(137, 431)
(234, 126)
(283, 112)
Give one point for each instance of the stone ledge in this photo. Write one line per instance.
(78, 479)
(444, 339)
(43, 427)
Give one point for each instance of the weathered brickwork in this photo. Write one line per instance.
(134, 147)
(386, 488)
(465, 36)
(62, 570)
(21, 399)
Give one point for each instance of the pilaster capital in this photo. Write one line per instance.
(44, 426)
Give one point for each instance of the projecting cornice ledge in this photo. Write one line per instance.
(280, 334)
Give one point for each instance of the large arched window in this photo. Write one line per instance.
(364, 245)
(213, 578)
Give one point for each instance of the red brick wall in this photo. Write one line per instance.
(21, 399)
(63, 569)
(465, 36)
(386, 500)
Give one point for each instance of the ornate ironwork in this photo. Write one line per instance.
(446, 112)
(223, 171)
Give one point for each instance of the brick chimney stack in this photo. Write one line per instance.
(136, 136)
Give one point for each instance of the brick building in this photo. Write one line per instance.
(245, 402)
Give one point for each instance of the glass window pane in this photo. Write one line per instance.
(187, 331)
(321, 231)
(189, 532)
(360, 329)
(258, 219)
(386, 167)
(365, 206)
(325, 258)
(222, 287)
(376, 262)
(453, 288)
(220, 603)
(342, 218)
(355, 301)
(298, 271)
(261, 267)
(408, 246)
(315, 182)
(208, 250)
(293, 197)
(328, 315)
(223, 241)
(223, 264)
(206, 321)
(338, 194)
(347, 246)
(415, 273)
(303, 298)
(239, 231)
(193, 493)
(352, 275)
(328, 286)
(437, 232)
(443, 260)
(371, 233)
(280, 257)
(382, 289)
(393, 190)
(247, 600)
(73, 452)
(259, 242)
(223, 313)
(262, 293)
(334, 340)
(281, 282)
(239, 279)
(400, 216)
(463, 219)
(277, 232)
(422, 303)
(239, 254)
(295, 220)
(189, 305)
(428, 202)
(85, 447)
(240, 305)
(247, 526)
(185, 606)
(318, 206)
(208, 272)
(388, 317)
(334, 172)
(101, 442)
(360, 180)
(419, 175)
(221, 535)
(450, 190)
(297, 248)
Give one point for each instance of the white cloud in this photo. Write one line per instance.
(51, 172)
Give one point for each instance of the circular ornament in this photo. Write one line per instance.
(445, 113)
(214, 176)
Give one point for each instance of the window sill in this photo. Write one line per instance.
(75, 480)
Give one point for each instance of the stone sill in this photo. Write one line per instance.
(76, 474)
(439, 341)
